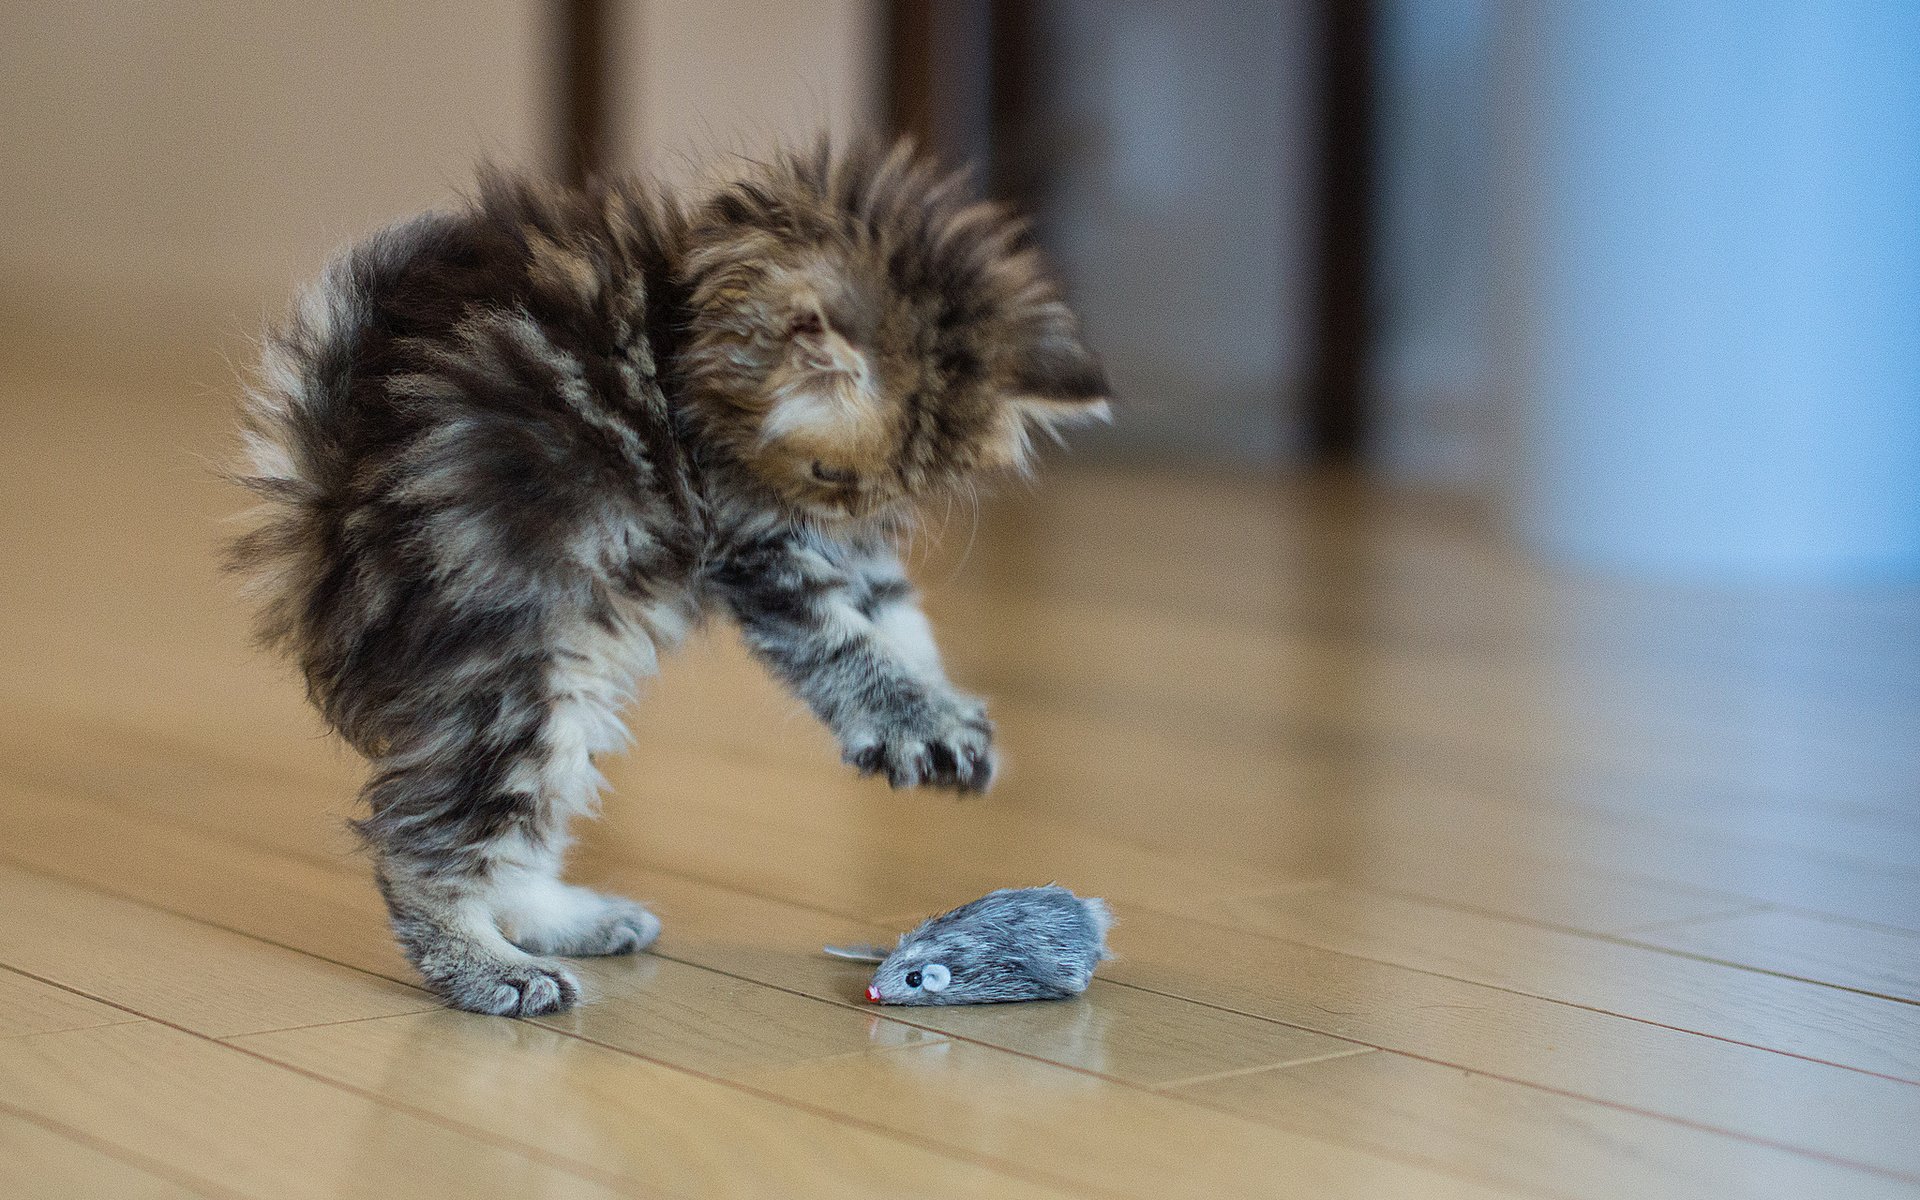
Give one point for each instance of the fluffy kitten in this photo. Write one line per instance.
(509, 454)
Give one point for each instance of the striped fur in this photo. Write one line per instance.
(507, 456)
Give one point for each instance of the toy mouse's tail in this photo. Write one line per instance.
(1102, 918)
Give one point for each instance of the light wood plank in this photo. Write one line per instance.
(1172, 678)
(1086, 1131)
(165, 966)
(1795, 1017)
(638, 1122)
(1469, 867)
(1557, 1144)
(716, 1024)
(1720, 1085)
(214, 1114)
(28, 1006)
(299, 799)
(326, 909)
(1885, 962)
(1628, 843)
(37, 1162)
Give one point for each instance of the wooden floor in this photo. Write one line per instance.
(1436, 875)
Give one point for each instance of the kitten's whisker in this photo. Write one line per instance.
(973, 503)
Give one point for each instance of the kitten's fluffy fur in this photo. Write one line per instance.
(509, 454)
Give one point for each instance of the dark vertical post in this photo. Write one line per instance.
(1337, 394)
(1014, 170)
(582, 65)
(908, 103)
(939, 76)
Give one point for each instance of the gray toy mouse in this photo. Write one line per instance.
(1037, 943)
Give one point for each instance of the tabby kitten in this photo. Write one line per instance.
(509, 454)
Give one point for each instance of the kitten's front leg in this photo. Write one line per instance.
(839, 626)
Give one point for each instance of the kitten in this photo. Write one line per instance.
(510, 454)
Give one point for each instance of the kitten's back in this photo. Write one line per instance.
(450, 403)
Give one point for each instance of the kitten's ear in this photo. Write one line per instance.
(1054, 381)
(1052, 414)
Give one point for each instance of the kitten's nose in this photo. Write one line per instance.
(873, 994)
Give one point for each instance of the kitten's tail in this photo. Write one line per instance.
(292, 421)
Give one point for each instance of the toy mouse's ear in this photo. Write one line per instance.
(935, 977)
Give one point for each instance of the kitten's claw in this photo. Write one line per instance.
(948, 749)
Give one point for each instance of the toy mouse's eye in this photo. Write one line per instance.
(936, 977)
(913, 979)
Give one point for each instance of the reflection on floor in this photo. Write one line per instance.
(1436, 874)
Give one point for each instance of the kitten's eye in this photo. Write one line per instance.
(826, 474)
(807, 324)
(936, 977)
(913, 979)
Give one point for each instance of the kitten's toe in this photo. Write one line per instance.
(962, 757)
(910, 765)
(627, 929)
(975, 770)
(530, 989)
(867, 756)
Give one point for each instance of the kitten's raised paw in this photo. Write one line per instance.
(951, 749)
(530, 989)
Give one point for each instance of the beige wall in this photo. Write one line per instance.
(714, 77)
(170, 148)
(169, 169)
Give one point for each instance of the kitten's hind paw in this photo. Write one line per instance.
(576, 923)
(529, 989)
(626, 929)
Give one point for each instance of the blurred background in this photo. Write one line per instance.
(1489, 632)
(1640, 278)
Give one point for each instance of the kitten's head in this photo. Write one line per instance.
(864, 336)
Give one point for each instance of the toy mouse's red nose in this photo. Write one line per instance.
(873, 994)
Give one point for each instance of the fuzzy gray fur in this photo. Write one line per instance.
(508, 455)
(1039, 943)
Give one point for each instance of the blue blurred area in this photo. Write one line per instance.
(1700, 338)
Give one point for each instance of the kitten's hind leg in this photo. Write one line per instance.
(536, 910)
(447, 929)
(457, 823)
(470, 821)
